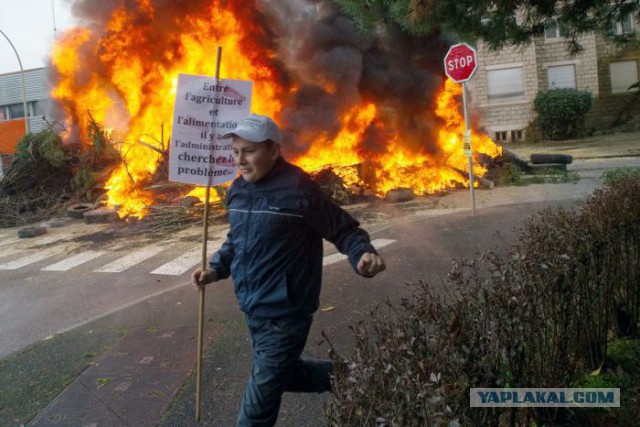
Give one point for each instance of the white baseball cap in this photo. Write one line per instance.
(256, 128)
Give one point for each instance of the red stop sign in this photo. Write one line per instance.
(460, 62)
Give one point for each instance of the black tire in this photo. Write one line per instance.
(538, 158)
(78, 210)
(398, 195)
(31, 231)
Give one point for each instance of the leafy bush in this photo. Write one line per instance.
(46, 145)
(561, 112)
(539, 316)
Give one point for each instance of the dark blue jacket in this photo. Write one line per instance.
(274, 247)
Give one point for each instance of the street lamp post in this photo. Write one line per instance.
(24, 93)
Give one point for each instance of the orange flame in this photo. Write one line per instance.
(129, 93)
(398, 166)
(126, 78)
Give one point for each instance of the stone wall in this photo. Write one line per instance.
(612, 109)
(554, 52)
(504, 116)
(592, 73)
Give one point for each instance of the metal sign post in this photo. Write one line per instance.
(459, 65)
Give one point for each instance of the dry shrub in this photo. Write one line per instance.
(539, 315)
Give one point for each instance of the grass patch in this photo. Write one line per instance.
(34, 377)
(511, 174)
(619, 173)
(548, 176)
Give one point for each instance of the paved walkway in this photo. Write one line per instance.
(132, 384)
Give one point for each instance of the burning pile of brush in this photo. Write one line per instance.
(342, 98)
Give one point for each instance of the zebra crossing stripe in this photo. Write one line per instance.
(175, 267)
(7, 252)
(186, 261)
(333, 258)
(51, 239)
(9, 241)
(381, 243)
(181, 264)
(37, 241)
(36, 257)
(74, 261)
(337, 257)
(132, 259)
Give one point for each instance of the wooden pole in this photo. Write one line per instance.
(205, 232)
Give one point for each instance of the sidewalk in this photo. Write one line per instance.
(596, 147)
(146, 377)
(131, 384)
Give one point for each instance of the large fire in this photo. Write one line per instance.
(124, 73)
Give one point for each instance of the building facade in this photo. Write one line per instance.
(508, 80)
(12, 114)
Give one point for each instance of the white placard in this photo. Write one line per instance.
(204, 111)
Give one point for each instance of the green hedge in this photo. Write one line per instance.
(561, 112)
(540, 315)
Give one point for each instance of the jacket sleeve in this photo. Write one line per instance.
(338, 227)
(221, 260)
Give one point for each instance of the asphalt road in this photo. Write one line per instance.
(79, 273)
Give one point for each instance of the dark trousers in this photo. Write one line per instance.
(277, 367)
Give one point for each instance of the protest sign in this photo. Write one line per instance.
(204, 110)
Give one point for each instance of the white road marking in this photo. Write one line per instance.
(381, 243)
(7, 252)
(74, 261)
(337, 257)
(132, 259)
(10, 241)
(33, 258)
(175, 267)
(51, 239)
(333, 258)
(186, 261)
(37, 241)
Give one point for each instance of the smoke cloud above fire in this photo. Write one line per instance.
(324, 65)
(336, 67)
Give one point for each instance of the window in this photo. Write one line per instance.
(41, 108)
(623, 75)
(517, 135)
(626, 25)
(562, 77)
(2, 116)
(501, 136)
(16, 111)
(505, 85)
(554, 30)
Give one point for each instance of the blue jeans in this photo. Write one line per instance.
(277, 367)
